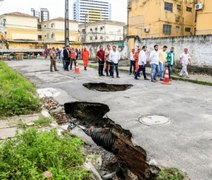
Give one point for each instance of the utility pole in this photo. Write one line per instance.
(66, 22)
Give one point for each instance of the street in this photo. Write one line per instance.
(184, 142)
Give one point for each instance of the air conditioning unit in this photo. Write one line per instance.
(146, 30)
(198, 6)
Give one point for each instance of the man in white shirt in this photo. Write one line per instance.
(185, 59)
(142, 63)
(154, 61)
(132, 61)
(114, 58)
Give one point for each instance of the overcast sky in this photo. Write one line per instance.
(56, 7)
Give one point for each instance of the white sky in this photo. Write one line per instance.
(56, 7)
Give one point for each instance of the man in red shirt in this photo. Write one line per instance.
(101, 59)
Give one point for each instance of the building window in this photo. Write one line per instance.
(52, 25)
(96, 37)
(52, 35)
(91, 38)
(179, 7)
(101, 37)
(177, 28)
(187, 29)
(189, 9)
(96, 29)
(168, 6)
(167, 29)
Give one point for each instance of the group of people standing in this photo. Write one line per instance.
(159, 59)
(108, 60)
(69, 57)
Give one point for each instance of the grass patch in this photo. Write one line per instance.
(41, 122)
(170, 174)
(30, 154)
(17, 95)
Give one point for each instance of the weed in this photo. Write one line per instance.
(170, 174)
(31, 153)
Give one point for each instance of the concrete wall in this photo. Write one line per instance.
(200, 47)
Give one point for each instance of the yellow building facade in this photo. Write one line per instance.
(203, 17)
(53, 31)
(160, 18)
(18, 27)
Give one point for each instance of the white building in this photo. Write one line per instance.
(102, 31)
(91, 10)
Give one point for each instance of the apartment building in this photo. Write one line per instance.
(53, 30)
(91, 10)
(102, 31)
(203, 17)
(19, 26)
(160, 18)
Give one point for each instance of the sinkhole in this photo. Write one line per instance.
(91, 117)
(104, 87)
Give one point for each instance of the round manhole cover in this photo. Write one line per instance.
(154, 120)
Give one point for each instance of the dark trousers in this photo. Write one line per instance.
(132, 66)
(143, 69)
(170, 70)
(112, 67)
(71, 63)
(107, 68)
(101, 67)
(67, 64)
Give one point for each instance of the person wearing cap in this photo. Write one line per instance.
(162, 61)
(85, 58)
(132, 61)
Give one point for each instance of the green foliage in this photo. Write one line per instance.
(30, 154)
(43, 122)
(17, 95)
(170, 174)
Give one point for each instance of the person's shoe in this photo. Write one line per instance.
(130, 73)
(56, 70)
(146, 79)
(117, 76)
(51, 71)
(136, 78)
(153, 81)
(161, 79)
(112, 76)
(102, 75)
(187, 77)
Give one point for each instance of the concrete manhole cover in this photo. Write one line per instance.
(154, 120)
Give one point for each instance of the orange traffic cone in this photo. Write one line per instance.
(77, 70)
(166, 77)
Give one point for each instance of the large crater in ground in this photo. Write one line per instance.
(103, 87)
